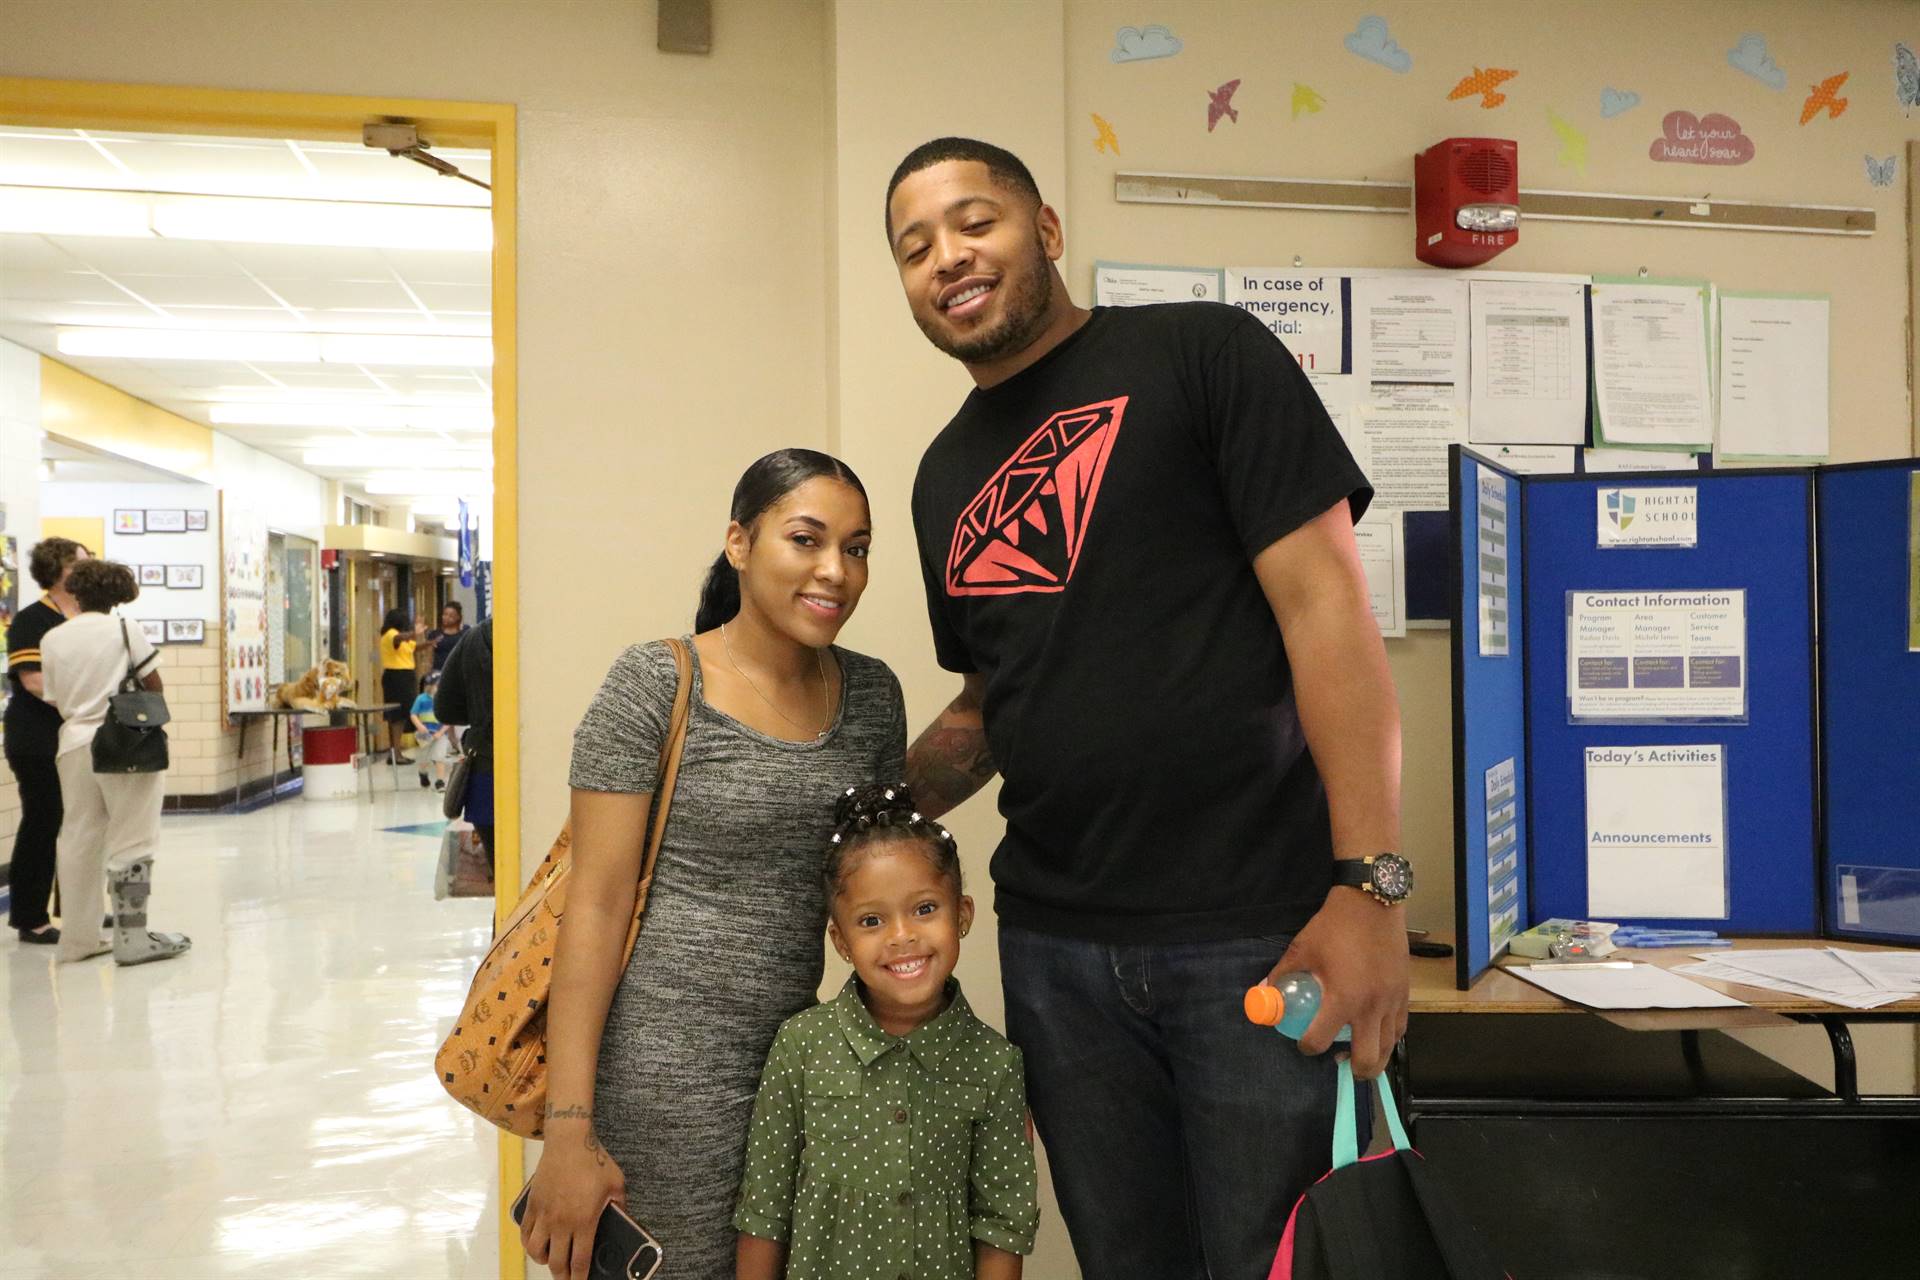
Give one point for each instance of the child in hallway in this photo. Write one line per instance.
(430, 735)
(890, 1136)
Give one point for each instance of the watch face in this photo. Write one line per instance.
(1392, 876)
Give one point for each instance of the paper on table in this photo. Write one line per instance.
(1891, 970)
(1720, 971)
(1650, 368)
(1644, 986)
(1383, 555)
(1774, 365)
(1529, 362)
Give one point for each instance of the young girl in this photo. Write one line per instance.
(430, 734)
(889, 1137)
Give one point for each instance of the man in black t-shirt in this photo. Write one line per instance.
(33, 739)
(1137, 542)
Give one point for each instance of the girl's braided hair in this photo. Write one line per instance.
(884, 811)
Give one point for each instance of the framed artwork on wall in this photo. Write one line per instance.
(153, 575)
(129, 521)
(196, 521)
(154, 630)
(185, 577)
(186, 631)
(166, 522)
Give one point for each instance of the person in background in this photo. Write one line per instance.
(399, 686)
(453, 625)
(465, 697)
(33, 738)
(431, 735)
(112, 825)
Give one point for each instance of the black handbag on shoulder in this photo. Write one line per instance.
(133, 738)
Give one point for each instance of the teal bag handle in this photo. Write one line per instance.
(1346, 1129)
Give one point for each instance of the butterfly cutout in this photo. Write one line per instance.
(1880, 172)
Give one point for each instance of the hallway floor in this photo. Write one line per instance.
(264, 1105)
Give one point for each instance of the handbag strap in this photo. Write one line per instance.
(670, 752)
(1346, 1129)
(131, 684)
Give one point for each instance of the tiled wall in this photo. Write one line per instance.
(204, 748)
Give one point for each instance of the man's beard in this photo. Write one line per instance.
(1025, 317)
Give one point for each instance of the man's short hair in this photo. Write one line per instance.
(50, 558)
(1006, 168)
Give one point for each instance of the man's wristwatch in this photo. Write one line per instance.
(1387, 876)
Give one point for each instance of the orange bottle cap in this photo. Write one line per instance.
(1264, 1005)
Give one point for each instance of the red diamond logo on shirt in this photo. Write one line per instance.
(1025, 530)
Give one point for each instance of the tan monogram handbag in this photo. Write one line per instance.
(495, 1062)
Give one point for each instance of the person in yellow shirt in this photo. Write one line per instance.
(399, 686)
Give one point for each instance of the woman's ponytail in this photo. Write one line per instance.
(719, 596)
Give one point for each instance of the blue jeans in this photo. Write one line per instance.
(1179, 1133)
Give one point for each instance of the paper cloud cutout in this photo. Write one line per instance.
(1138, 44)
(1751, 56)
(1371, 41)
(1615, 102)
(1690, 139)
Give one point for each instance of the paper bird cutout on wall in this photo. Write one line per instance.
(1485, 83)
(1825, 97)
(1306, 101)
(1573, 143)
(1220, 103)
(1106, 141)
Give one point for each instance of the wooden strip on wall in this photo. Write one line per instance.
(1544, 206)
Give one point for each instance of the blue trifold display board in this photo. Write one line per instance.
(1756, 533)
(1870, 708)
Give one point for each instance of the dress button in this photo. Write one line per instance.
(900, 1117)
(906, 1198)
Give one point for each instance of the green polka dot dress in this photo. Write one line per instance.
(875, 1157)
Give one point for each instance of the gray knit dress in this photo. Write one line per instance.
(733, 940)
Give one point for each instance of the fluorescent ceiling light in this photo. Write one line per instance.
(76, 211)
(365, 417)
(447, 484)
(62, 212)
(267, 347)
(371, 457)
(322, 222)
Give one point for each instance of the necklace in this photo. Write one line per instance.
(826, 721)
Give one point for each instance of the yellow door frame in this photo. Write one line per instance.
(71, 104)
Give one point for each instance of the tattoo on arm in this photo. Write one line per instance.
(947, 764)
(599, 1152)
(575, 1112)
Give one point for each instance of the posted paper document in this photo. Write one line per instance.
(1649, 656)
(1657, 832)
(1529, 362)
(1650, 365)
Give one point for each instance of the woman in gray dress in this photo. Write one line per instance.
(652, 1069)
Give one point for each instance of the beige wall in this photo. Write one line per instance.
(702, 275)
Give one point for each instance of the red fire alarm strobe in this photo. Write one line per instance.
(1466, 201)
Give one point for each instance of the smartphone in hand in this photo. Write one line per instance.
(622, 1249)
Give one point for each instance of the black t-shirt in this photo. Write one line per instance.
(33, 727)
(1086, 532)
(443, 642)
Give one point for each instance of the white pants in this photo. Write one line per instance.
(112, 820)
